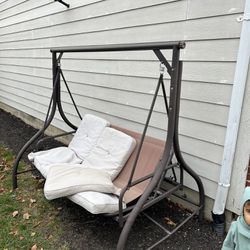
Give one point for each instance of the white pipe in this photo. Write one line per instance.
(237, 97)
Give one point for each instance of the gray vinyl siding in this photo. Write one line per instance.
(119, 86)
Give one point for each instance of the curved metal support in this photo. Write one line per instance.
(49, 118)
(179, 156)
(25, 147)
(55, 100)
(193, 174)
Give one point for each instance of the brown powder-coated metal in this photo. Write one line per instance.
(150, 155)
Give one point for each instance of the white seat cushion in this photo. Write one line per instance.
(97, 203)
(43, 160)
(64, 180)
(111, 152)
(87, 135)
(82, 143)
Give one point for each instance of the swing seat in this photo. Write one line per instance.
(80, 146)
(110, 144)
(98, 203)
(107, 157)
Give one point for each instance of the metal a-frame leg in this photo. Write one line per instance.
(166, 154)
(54, 102)
(179, 156)
(49, 118)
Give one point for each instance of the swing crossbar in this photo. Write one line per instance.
(120, 47)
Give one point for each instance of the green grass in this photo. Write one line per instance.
(41, 226)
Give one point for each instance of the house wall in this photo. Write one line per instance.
(119, 86)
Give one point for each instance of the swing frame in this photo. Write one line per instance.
(153, 192)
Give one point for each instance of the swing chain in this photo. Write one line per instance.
(162, 68)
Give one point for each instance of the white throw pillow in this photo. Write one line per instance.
(65, 180)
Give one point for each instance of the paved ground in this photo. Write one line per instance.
(83, 230)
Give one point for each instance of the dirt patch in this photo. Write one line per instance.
(82, 230)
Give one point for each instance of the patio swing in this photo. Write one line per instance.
(144, 172)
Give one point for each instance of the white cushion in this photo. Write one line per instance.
(97, 203)
(64, 180)
(87, 135)
(43, 160)
(111, 152)
(82, 143)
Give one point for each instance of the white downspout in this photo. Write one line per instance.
(240, 79)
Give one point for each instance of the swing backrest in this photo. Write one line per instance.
(149, 157)
(87, 134)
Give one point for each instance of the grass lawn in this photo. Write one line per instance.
(27, 219)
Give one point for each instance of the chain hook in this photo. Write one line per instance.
(59, 59)
(162, 68)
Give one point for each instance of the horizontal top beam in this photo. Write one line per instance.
(121, 47)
